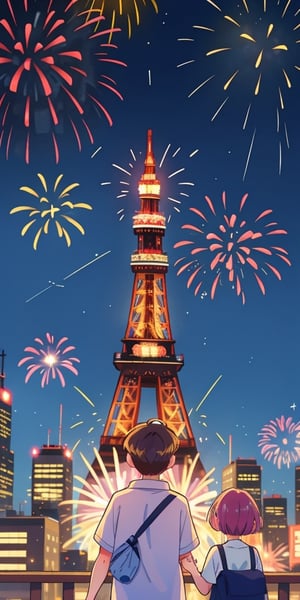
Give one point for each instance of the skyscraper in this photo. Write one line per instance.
(297, 495)
(6, 454)
(244, 474)
(52, 481)
(275, 528)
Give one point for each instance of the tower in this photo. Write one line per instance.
(52, 483)
(6, 454)
(148, 358)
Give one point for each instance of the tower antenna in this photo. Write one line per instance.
(60, 425)
(230, 448)
(2, 376)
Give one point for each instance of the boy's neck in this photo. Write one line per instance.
(154, 477)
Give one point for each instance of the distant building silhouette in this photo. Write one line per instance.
(52, 482)
(243, 474)
(297, 495)
(6, 454)
(275, 528)
(74, 560)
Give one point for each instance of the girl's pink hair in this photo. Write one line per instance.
(235, 512)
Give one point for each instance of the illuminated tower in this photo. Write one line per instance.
(52, 482)
(6, 454)
(148, 358)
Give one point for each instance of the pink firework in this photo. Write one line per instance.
(280, 441)
(230, 248)
(50, 74)
(49, 358)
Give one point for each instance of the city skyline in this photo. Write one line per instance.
(241, 360)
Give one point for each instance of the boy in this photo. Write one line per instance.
(151, 449)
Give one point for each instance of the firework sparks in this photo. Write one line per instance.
(50, 210)
(253, 56)
(78, 423)
(119, 11)
(45, 78)
(170, 172)
(96, 493)
(280, 441)
(274, 559)
(49, 358)
(231, 249)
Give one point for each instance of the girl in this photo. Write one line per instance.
(234, 513)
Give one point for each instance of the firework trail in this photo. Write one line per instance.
(280, 441)
(81, 422)
(170, 171)
(251, 59)
(49, 358)
(230, 249)
(120, 11)
(95, 494)
(52, 205)
(52, 72)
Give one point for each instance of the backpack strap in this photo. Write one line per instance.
(162, 505)
(252, 558)
(223, 556)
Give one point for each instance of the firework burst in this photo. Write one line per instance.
(96, 493)
(120, 11)
(52, 205)
(47, 81)
(254, 60)
(274, 559)
(49, 358)
(280, 441)
(170, 172)
(230, 249)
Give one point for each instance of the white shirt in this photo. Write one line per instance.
(237, 555)
(159, 576)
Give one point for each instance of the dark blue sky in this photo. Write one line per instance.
(255, 346)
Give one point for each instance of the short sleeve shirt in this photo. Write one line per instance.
(237, 555)
(169, 536)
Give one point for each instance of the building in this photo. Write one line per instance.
(29, 544)
(244, 474)
(6, 454)
(294, 547)
(52, 483)
(275, 527)
(74, 560)
(297, 495)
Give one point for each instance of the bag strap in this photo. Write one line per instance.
(223, 556)
(252, 558)
(162, 505)
(224, 561)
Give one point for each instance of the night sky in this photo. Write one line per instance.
(250, 349)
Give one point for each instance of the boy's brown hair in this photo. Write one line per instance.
(151, 445)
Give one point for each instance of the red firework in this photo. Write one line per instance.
(49, 358)
(231, 249)
(44, 75)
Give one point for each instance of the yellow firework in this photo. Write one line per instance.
(253, 55)
(119, 10)
(94, 495)
(51, 209)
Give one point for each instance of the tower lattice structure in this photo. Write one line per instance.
(148, 358)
